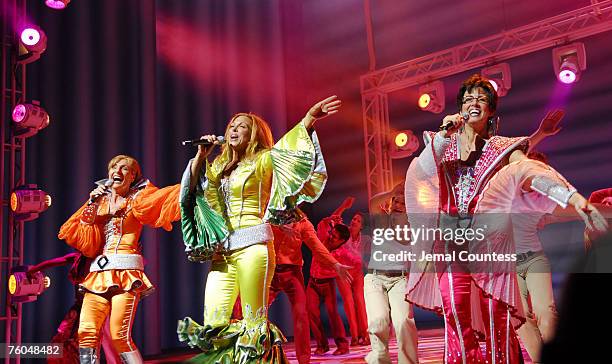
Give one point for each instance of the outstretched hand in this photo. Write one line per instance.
(594, 221)
(324, 108)
(550, 124)
(343, 272)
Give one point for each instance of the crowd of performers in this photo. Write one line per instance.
(240, 211)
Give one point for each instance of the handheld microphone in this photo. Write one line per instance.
(194, 142)
(465, 117)
(107, 184)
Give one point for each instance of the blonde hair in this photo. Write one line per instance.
(132, 163)
(260, 140)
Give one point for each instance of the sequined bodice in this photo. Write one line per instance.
(464, 177)
(245, 192)
(122, 230)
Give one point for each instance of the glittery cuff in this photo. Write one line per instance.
(554, 190)
(89, 214)
(440, 144)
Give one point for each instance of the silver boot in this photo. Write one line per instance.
(131, 357)
(88, 356)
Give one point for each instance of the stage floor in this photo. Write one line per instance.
(431, 350)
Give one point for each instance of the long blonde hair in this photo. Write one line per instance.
(260, 140)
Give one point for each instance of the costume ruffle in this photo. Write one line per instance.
(203, 227)
(86, 238)
(157, 207)
(299, 170)
(238, 342)
(299, 175)
(125, 280)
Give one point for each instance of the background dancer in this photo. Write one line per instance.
(291, 229)
(385, 287)
(322, 286)
(351, 292)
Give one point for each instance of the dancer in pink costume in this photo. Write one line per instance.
(443, 188)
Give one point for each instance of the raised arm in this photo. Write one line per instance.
(321, 109)
(345, 205)
(549, 126)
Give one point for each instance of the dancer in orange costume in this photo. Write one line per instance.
(107, 228)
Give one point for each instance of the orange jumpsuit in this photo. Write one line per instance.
(116, 280)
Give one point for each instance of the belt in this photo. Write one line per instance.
(286, 267)
(321, 280)
(117, 261)
(523, 257)
(388, 273)
(248, 236)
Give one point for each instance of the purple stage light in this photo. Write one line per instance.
(19, 113)
(29, 119)
(567, 76)
(30, 36)
(569, 61)
(32, 43)
(568, 72)
(57, 4)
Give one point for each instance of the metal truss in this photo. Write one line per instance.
(375, 134)
(12, 164)
(553, 31)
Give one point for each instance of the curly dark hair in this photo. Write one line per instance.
(343, 231)
(476, 81)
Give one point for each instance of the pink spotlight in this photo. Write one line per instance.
(30, 36)
(19, 113)
(567, 76)
(57, 4)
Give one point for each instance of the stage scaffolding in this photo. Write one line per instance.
(377, 84)
(13, 164)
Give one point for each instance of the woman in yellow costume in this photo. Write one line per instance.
(107, 228)
(225, 207)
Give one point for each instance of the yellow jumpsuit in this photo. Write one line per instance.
(225, 220)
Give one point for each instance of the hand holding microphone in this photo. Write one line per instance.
(452, 123)
(202, 141)
(205, 144)
(99, 191)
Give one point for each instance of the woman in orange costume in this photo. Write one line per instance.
(107, 228)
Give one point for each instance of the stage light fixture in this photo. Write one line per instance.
(500, 77)
(57, 4)
(32, 43)
(431, 97)
(28, 119)
(26, 289)
(569, 61)
(28, 201)
(403, 144)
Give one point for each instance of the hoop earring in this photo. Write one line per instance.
(493, 125)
